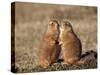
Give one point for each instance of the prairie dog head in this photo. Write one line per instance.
(53, 25)
(53, 28)
(65, 26)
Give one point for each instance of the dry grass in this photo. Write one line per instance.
(59, 67)
(31, 21)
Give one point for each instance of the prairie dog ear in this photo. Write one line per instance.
(53, 19)
(66, 22)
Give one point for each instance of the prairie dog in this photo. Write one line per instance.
(49, 51)
(70, 43)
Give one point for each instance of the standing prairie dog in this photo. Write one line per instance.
(70, 44)
(50, 49)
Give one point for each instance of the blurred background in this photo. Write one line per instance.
(31, 21)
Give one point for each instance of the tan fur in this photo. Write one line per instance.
(70, 44)
(50, 50)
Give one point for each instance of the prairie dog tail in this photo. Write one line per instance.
(87, 57)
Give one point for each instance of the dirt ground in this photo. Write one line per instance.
(31, 21)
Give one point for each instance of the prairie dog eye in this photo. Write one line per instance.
(67, 23)
(51, 23)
